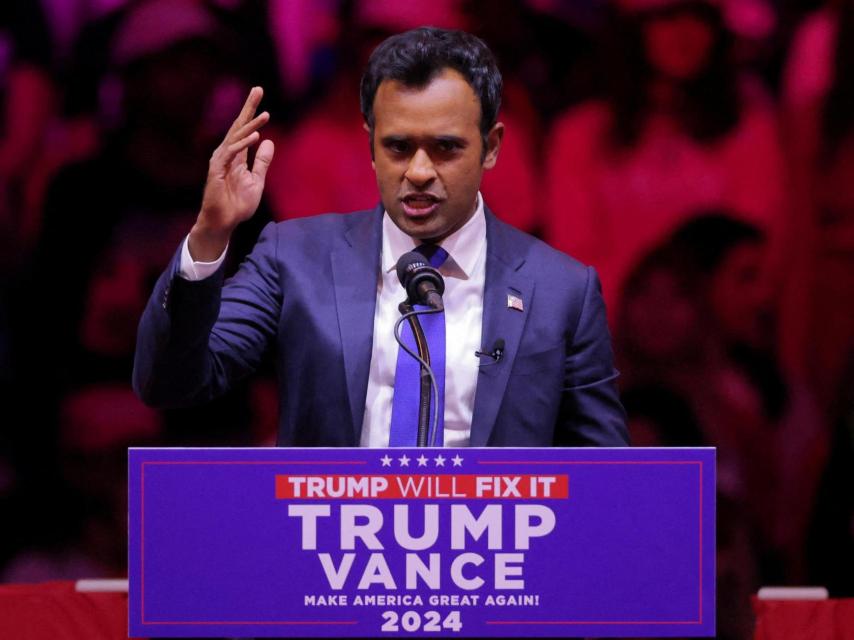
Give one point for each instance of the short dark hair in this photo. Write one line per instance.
(416, 57)
(710, 235)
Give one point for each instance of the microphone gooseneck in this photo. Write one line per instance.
(424, 286)
(427, 428)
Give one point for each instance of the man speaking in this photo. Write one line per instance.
(521, 353)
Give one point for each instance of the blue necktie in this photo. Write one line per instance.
(407, 377)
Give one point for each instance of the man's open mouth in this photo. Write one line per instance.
(420, 204)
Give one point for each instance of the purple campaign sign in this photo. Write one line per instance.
(422, 542)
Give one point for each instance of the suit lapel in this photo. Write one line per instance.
(355, 268)
(500, 322)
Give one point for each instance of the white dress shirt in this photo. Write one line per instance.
(465, 274)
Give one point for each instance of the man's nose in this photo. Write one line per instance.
(420, 170)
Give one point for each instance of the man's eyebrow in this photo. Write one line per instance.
(394, 138)
(387, 139)
(449, 138)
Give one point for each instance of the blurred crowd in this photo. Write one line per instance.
(698, 153)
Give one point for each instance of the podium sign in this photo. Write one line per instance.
(422, 542)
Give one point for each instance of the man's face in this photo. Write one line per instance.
(741, 298)
(663, 317)
(428, 153)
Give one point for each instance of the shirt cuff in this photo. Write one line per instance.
(193, 270)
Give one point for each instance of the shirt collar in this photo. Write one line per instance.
(463, 245)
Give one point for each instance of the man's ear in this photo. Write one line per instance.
(493, 144)
(371, 143)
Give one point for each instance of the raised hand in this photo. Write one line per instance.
(233, 190)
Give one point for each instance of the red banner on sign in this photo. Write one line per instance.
(426, 487)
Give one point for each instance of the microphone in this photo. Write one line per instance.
(496, 354)
(423, 283)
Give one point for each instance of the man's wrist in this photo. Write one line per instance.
(207, 243)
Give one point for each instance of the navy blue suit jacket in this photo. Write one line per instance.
(308, 291)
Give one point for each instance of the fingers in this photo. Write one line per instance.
(253, 125)
(248, 130)
(241, 145)
(249, 107)
(242, 134)
(263, 158)
(223, 159)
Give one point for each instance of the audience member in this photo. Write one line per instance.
(730, 255)
(27, 102)
(678, 130)
(135, 195)
(667, 356)
(110, 223)
(547, 47)
(664, 341)
(820, 118)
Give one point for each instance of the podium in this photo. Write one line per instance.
(473, 542)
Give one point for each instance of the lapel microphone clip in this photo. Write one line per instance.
(496, 354)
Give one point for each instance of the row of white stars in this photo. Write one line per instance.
(422, 460)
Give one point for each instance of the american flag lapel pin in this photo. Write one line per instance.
(515, 302)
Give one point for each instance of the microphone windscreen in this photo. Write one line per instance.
(408, 264)
(420, 280)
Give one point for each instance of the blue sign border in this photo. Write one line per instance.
(336, 460)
